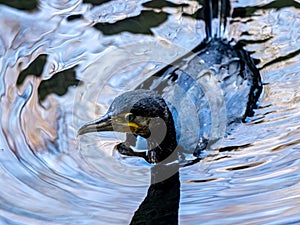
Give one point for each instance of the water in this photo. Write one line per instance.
(49, 176)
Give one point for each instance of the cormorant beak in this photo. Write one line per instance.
(102, 124)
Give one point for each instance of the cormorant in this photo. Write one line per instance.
(146, 113)
(172, 109)
(158, 112)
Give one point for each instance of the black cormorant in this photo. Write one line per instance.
(143, 113)
(146, 114)
(172, 108)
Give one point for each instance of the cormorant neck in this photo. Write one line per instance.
(166, 150)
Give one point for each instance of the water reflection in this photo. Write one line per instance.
(23, 5)
(162, 201)
(249, 11)
(57, 84)
(95, 2)
(34, 69)
(140, 24)
(44, 178)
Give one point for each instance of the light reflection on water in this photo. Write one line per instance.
(50, 176)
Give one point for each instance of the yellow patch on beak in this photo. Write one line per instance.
(133, 125)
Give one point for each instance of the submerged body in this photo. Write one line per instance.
(176, 109)
(216, 81)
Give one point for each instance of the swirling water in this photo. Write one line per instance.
(59, 70)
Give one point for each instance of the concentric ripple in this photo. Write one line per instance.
(49, 176)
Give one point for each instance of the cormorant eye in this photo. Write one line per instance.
(129, 117)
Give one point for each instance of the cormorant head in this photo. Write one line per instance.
(142, 113)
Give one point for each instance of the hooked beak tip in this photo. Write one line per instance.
(86, 128)
(102, 124)
(81, 130)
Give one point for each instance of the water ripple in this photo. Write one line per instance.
(49, 176)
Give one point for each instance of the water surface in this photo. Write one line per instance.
(62, 63)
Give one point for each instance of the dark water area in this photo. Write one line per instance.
(63, 63)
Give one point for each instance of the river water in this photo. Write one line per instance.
(62, 64)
